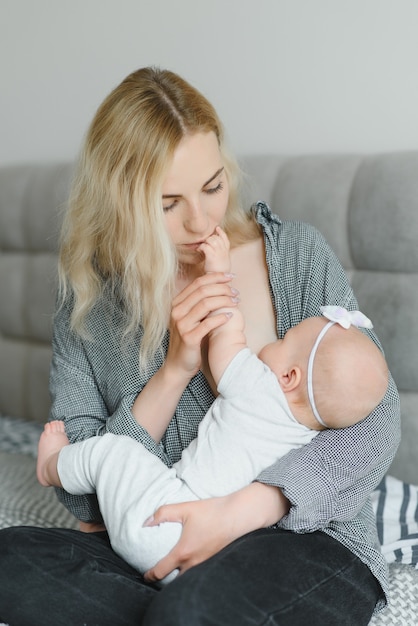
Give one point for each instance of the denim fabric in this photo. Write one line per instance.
(57, 577)
(61, 577)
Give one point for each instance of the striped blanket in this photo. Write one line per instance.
(396, 507)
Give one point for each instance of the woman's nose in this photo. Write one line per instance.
(196, 219)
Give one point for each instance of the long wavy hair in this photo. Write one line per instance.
(114, 235)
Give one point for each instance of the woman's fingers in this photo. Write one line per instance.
(186, 320)
(167, 513)
(212, 523)
(207, 284)
(203, 300)
(195, 313)
(191, 311)
(203, 535)
(194, 335)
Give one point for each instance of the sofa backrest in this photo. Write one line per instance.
(31, 200)
(366, 206)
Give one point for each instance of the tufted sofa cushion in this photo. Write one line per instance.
(31, 199)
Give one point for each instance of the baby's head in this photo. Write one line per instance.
(333, 376)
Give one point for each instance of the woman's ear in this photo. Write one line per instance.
(290, 379)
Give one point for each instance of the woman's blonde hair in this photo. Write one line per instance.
(114, 233)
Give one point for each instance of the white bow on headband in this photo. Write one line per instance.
(345, 318)
(336, 315)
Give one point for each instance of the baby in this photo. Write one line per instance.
(324, 373)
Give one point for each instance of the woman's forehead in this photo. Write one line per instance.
(197, 158)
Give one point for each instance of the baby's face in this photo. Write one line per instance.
(294, 347)
(271, 354)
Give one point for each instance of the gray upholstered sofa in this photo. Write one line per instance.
(366, 206)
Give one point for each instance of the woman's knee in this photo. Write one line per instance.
(269, 577)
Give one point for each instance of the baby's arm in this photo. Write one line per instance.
(227, 340)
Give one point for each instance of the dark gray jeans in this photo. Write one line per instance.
(57, 577)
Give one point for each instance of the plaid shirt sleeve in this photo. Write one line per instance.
(92, 390)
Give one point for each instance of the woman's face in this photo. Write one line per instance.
(195, 194)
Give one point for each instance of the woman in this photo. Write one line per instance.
(153, 183)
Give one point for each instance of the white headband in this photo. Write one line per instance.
(337, 315)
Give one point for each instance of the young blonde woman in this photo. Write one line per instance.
(129, 357)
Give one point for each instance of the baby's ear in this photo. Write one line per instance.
(290, 379)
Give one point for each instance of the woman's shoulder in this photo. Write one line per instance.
(270, 220)
(287, 234)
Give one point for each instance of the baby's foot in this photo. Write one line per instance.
(52, 440)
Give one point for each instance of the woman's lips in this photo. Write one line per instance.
(196, 244)
(192, 246)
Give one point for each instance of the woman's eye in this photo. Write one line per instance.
(169, 207)
(216, 189)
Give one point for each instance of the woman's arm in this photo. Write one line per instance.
(210, 525)
(330, 479)
(191, 322)
(95, 382)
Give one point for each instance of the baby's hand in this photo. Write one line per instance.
(216, 251)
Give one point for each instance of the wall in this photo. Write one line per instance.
(286, 75)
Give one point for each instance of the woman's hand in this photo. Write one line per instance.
(191, 321)
(210, 525)
(156, 404)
